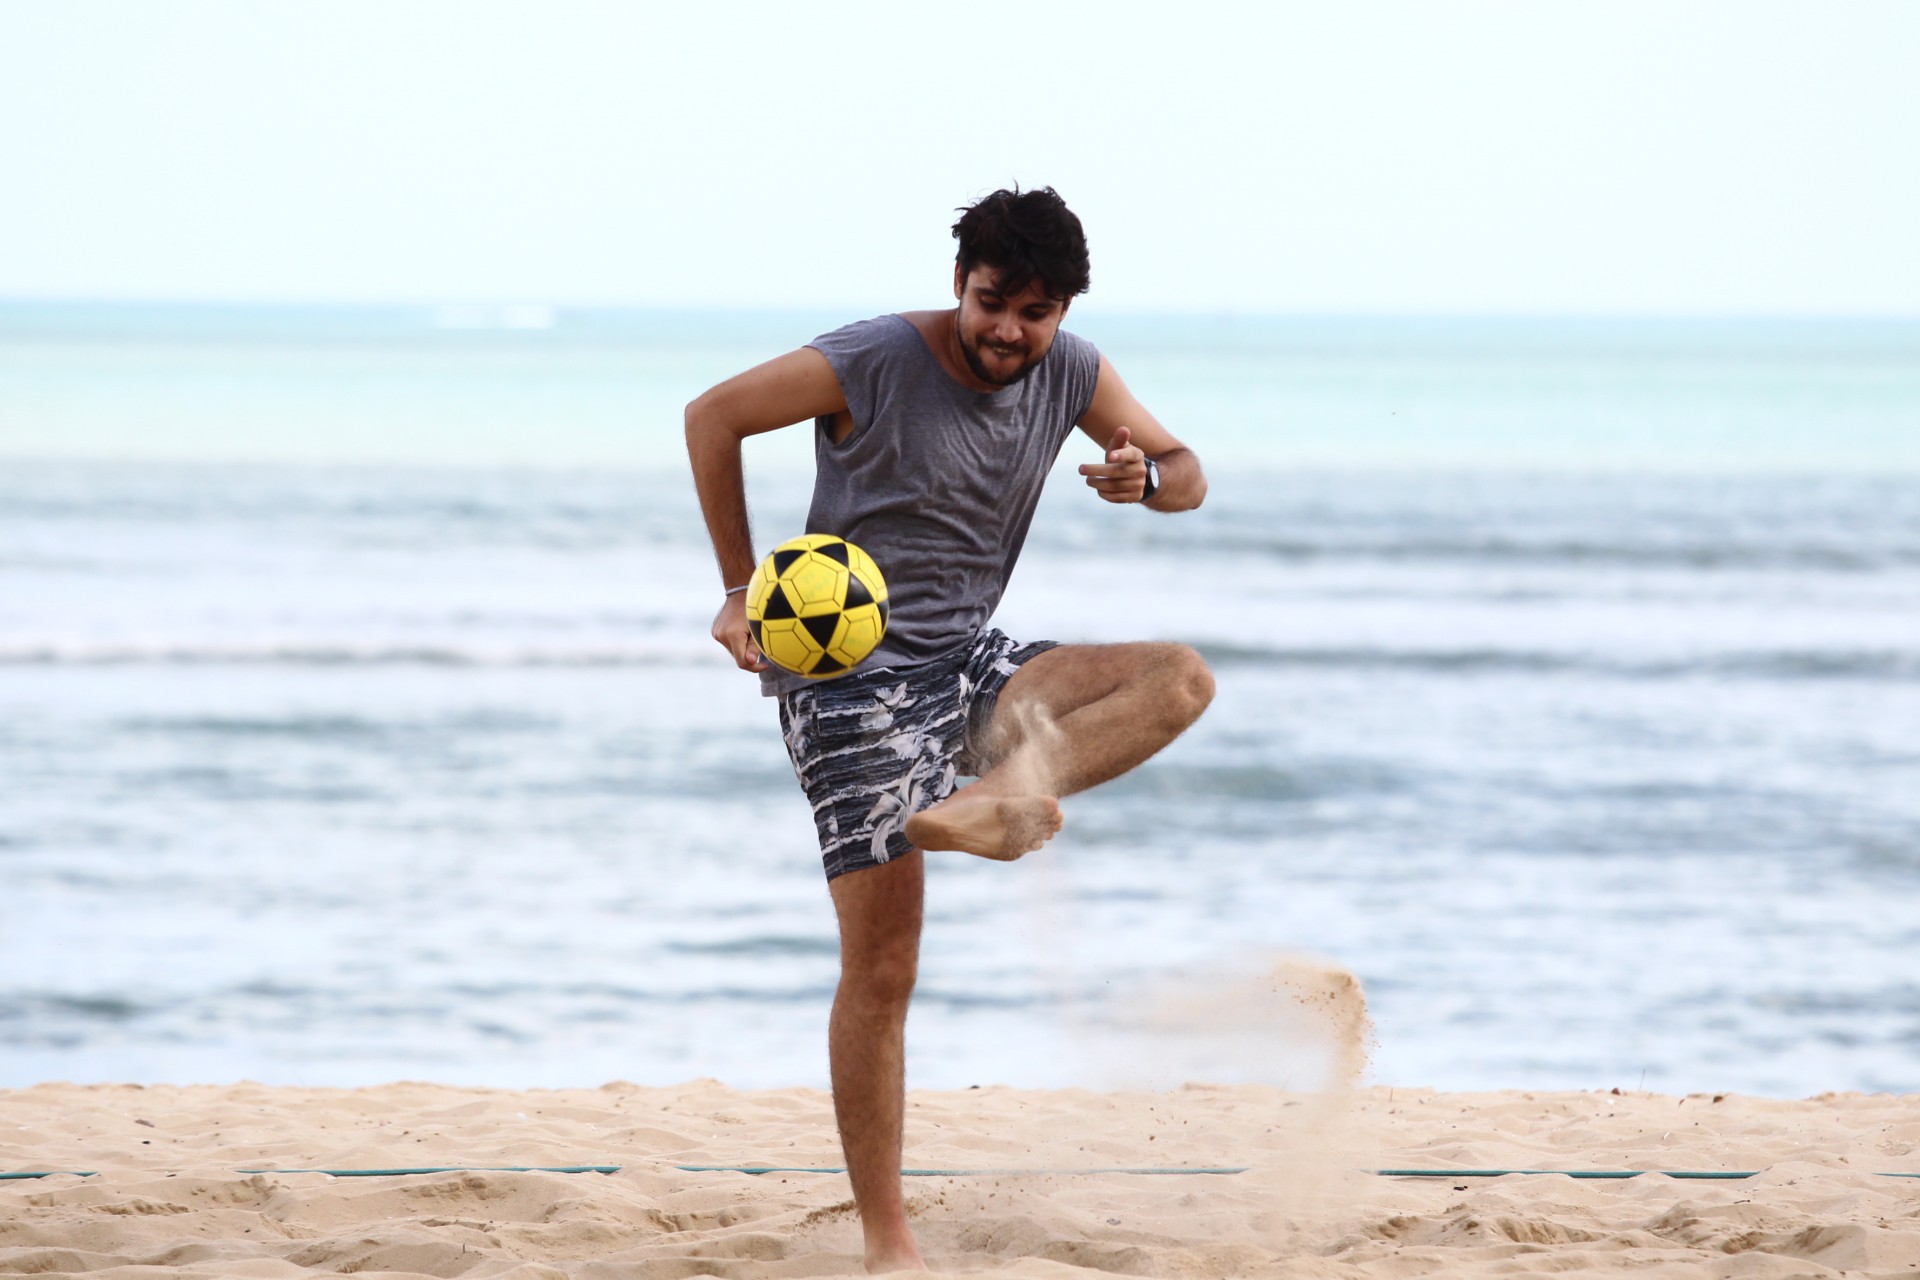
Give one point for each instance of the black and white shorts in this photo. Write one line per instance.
(874, 748)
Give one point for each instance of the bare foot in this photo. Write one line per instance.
(992, 826)
(880, 1264)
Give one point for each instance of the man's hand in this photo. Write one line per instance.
(731, 630)
(1123, 476)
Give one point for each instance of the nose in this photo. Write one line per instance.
(1006, 329)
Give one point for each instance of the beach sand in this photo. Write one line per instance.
(170, 1192)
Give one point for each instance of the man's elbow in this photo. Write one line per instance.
(696, 416)
(707, 422)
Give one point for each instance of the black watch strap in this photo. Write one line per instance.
(1153, 480)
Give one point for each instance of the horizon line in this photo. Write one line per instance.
(508, 306)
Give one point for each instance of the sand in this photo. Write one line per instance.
(170, 1193)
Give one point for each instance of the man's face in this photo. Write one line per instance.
(1002, 338)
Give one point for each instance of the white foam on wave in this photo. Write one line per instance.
(660, 651)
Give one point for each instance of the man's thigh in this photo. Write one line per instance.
(1055, 684)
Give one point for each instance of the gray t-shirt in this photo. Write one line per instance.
(937, 482)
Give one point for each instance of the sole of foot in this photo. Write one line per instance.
(999, 827)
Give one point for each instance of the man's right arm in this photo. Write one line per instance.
(796, 387)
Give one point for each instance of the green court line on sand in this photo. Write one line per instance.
(1702, 1174)
(951, 1173)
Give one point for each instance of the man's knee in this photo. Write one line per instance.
(880, 909)
(1187, 684)
(879, 979)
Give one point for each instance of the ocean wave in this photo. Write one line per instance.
(1785, 664)
(340, 655)
(1574, 553)
(1773, 664)
(338, 728)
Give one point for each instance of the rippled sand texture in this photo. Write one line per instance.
(169, 1191)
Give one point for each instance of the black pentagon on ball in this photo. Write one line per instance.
(835, 550)
(783, 560)
(857, 593)
(827, 666)
(821, 627)
(755, 628)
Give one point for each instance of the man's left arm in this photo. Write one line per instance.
(1122, 426)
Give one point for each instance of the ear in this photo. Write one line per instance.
(959, 282)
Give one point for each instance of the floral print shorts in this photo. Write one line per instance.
(874, 748)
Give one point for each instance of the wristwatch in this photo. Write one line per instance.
(1153, 480)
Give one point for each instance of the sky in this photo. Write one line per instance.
(1619, 158)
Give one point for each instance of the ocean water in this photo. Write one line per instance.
(358, 719)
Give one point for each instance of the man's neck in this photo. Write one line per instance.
(940, 330)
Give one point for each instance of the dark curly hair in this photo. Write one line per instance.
(1023, 236)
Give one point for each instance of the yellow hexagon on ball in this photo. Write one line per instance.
(817, 606)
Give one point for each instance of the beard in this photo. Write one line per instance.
(970, 351)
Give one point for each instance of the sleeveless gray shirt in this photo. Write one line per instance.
(937, 482)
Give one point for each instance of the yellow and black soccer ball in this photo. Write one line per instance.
(817, 605)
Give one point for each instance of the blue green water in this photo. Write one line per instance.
(358, 718)
(461, 387)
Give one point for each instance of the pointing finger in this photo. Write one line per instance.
(1121, 438)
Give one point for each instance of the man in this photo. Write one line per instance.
(934, 431)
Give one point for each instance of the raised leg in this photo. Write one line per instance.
(1069, 719)
(880, 909)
